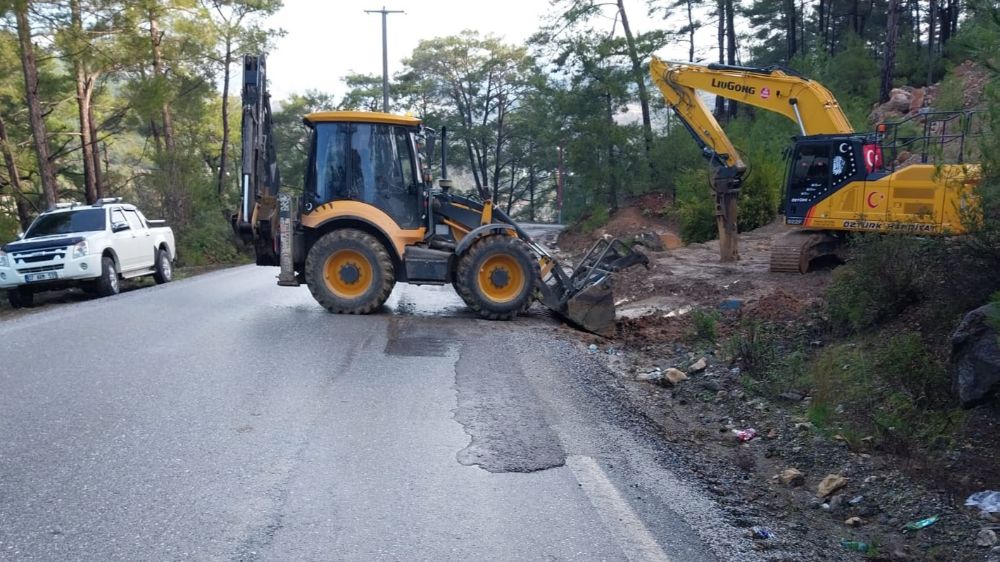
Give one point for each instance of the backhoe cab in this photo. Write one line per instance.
(369, 216)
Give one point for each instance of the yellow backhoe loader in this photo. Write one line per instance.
(838, 180)
(370, 216)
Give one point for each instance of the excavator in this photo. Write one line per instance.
(838, 180)
(369, 215)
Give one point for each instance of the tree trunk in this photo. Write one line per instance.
(824, 24)
(731, 50)
(613, 175)
(791, 31)
(84, 88)
(720, 102)
(931, 30)
(23, 214)
(98, 174)
(531, 187)
(228, 61)
(640, 81)
(174, 194)
(38, 130)
(889, 57)
(690, 10)
(168, 122)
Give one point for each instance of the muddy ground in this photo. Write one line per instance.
(883, 492)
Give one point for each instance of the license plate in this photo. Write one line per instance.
(44, 276)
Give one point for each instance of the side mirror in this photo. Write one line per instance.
(119, 226)
(20, 236)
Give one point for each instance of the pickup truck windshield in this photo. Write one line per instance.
(84, 220)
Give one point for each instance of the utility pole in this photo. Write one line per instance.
(385, 54)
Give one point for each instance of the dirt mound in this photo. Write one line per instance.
(639, 216)
(778, 306)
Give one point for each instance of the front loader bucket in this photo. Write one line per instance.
(593, 309)
(583, 296)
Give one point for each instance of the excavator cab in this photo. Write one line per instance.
(819, 166)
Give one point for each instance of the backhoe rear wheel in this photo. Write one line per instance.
(349, 272)
(497, 277)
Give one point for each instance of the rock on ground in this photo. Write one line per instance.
(986, 538)
(791, 477)
(830, 484)
(975, 356)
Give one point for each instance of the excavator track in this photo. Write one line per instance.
(793, 251)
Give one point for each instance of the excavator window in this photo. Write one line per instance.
(821, 165)
(368, 162)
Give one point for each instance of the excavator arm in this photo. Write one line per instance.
(804, 101)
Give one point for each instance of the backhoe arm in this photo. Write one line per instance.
(257, 219)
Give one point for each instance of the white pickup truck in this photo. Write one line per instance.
(93, 246)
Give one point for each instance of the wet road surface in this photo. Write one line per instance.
(225, 418)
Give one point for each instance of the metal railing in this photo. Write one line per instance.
(931, 136)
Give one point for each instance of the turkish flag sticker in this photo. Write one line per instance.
(873, 157)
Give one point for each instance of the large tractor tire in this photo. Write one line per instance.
(497, 277)
(349, 272)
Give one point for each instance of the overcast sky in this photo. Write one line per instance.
(326, 39)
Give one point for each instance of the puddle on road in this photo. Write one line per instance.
(417, 338)
(427, 301)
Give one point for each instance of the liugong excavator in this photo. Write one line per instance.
(369, 216)
(839, 180)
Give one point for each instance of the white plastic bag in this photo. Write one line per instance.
(988, 501)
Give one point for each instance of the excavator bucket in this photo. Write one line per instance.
(584, 297)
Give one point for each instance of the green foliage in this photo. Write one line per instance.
(291, 136)
(950, 94)
(595, 219)
(695, 206)
(705, 324)
(772, 360)
(9, 227)
(209, 239)
(893, 389)
(753, 347)
(882, 280)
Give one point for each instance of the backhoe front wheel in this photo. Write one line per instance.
(349, 272)
(497, 277)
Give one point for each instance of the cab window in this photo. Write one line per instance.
(367, 162)
(117, 218)
(133, 220)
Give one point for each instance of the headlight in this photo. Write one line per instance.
(80, 249)
(3, 259)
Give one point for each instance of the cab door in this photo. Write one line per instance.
(145, 252)
(127, 246)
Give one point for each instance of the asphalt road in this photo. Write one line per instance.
(225, 418)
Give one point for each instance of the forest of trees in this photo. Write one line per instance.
(122, 98)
